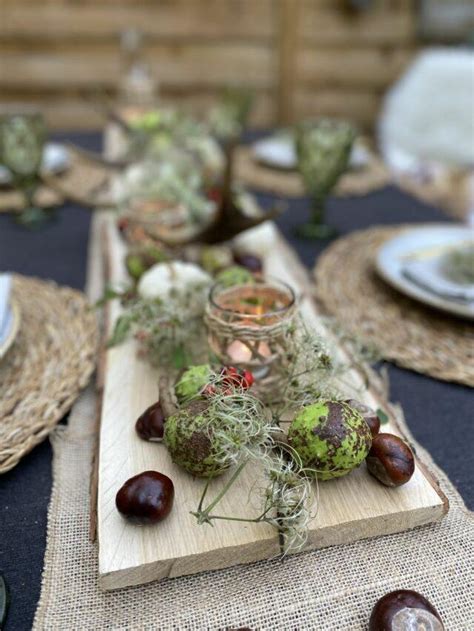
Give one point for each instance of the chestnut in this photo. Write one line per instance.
(370, 416)
(404, 610)
(250, 261)
(151, 424)
(390, 460)
(147, 498)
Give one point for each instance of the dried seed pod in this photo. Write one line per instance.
(404, 610)
(390, 460)
(147, 498)
(370, 415)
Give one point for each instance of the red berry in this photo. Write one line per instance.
(237, 378)
(123, 224)
(209, 391)
(214, 194)
(248, 378)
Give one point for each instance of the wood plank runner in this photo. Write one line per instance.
(350, 508)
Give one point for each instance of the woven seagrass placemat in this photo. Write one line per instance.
(450, 190)
(405, 331)
(288, 183)
(325, 590)
(49, 363)
(85, 182)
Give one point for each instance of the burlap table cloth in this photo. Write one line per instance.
(330, 589)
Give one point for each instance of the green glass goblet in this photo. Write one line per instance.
(323, 149)
(22, 139)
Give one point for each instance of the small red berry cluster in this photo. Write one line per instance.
(232, 379)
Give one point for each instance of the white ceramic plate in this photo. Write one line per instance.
(278, 152)
(56, 159)
(393, 254)
(9, 335)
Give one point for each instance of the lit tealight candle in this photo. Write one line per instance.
(241, 353)
(247, 326)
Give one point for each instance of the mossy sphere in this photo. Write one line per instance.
(191, 443)
(330, 437)
(235, 275)
(192, 381)
(215, 258)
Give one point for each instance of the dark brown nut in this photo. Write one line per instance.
(151, 424)
(390, 460)
(250, 261)
(147, 498)
(404, 610)
(370, 416)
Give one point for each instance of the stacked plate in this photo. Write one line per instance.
(9, 315)
(418, 263)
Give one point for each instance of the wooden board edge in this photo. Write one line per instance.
(104, 317)
(347, 534)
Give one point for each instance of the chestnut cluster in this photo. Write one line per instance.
(390, 459)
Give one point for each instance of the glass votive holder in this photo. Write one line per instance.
(251, 327)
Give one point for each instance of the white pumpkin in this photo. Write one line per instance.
(172, 280)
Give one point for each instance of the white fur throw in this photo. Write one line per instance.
(428, 116)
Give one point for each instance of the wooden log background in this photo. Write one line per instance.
(303, 57)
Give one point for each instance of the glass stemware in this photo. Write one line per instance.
(323, 149)
(22, 139)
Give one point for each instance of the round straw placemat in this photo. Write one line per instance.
(404, 331)
(288, 183)
(85, 182)
(50, 362)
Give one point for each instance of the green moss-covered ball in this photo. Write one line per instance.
(140, 260)
(192, 381)
(330, 437)
(215, 258)
(190, 441)
(235, 275)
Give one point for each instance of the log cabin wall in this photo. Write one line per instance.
(303, 57)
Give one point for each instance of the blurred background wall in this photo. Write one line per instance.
(304, 57)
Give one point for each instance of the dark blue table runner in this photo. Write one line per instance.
(439, 414)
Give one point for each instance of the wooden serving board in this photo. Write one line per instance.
(353, 507)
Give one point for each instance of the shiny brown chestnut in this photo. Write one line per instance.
(147, 498)
(151, 424)
(390, 460)
(404, 610)
(370, 416)
(250, 261)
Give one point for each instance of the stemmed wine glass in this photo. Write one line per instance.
(323, 149)
(22, 139)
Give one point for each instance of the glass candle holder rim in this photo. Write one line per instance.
(340, 123)
(267, 280)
